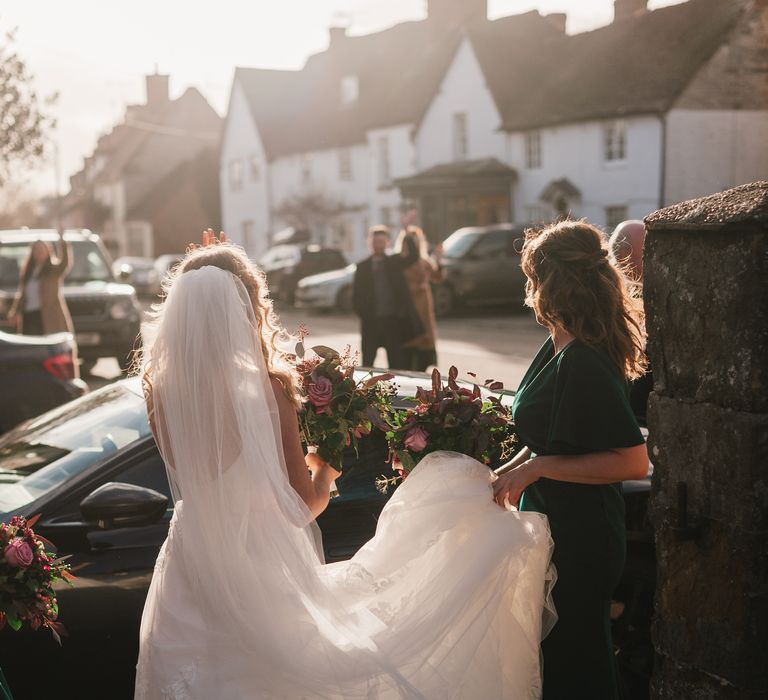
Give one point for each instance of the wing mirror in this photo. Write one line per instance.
(116, 505)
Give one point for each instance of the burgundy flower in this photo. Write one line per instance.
(320, 393)
(416, 439)
(18, 553)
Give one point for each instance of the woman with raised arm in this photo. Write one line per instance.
(581, 440)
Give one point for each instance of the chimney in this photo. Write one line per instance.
(157, 90)
(626, 9)
(457, 12)
(337, 35)
(557, 20)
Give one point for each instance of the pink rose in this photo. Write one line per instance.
(320, 392)
(19, 553)
(416, 439)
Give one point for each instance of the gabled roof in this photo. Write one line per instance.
(639, 65)
(399, 71)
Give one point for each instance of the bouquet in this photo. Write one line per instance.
(27, 576)
(448, 417)
(338, 409)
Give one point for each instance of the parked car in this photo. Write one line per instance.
(164, 266)
(37, 373)
(328, 291)
(92, 469)
(140, 273)
(285, 265)
(106, 315)
(482, 266)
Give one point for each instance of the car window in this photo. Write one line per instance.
(491, 245)
(458, 243)
(40, 455)
(88, 264)
(12, 256)
(328, 259)
(362, 469)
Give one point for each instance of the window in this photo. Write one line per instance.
(614, 141)
(615, 215)
(492, 245)
(306, 168)
(538, 214)
(235, 175)
(254, 167)
(345, 164)
(460, 142)
(149, 474)
(533, 150)
(350, 89)
(386, 216)
(385, 177)
(248, 231)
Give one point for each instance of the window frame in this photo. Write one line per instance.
(460, 136)
(614, 141)
(533, 150)
(345, 164)
(235, 174)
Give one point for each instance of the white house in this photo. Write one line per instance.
(475, 122)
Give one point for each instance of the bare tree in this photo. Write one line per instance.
(24, 122)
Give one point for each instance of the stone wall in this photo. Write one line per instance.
(706, 297)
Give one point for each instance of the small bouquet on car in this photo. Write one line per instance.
(448, 417)
(338, 409)
(27, 575)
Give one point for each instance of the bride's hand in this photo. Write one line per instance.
(510, 486)
(318, 466)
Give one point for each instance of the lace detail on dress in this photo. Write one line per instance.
(181, 688)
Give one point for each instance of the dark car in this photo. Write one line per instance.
(285, 265)
(92, 469)
(37, 373)
(482, 266)
(106, 315)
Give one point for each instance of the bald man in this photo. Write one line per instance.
(626, 245)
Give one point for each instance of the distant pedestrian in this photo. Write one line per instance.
(421, 352)
(40, 308)
(381, 299)
(626, 244)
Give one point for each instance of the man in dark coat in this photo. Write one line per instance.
(382, 301)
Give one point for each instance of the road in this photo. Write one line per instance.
(489, 343)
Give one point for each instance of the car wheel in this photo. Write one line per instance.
(444, 300)
(344, 299)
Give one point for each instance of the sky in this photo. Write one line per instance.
(95, 54)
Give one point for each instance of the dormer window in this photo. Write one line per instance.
(350, 89)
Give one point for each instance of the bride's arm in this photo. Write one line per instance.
(314, 490)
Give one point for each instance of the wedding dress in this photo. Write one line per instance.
(450, 599)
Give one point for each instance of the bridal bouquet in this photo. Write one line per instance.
(338, 409)
(448, 417)
(27, 576)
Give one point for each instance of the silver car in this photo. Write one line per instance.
(327, 291)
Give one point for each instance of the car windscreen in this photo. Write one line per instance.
(88, 263)
(42, 454)
(457, 244)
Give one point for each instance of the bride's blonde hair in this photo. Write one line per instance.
(232, 258)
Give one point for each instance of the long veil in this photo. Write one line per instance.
(419, 608)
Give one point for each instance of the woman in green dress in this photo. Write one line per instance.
(581, 440)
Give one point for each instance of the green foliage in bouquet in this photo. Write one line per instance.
(27, 575)
(449, 417)
(338, 409)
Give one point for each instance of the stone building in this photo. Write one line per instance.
(152, 181)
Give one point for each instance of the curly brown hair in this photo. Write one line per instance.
(572, 284)
(234, 259)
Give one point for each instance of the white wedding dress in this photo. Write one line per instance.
(450, 599)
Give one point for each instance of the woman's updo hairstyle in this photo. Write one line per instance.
(572, 284)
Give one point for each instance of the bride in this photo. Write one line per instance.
(450, 599)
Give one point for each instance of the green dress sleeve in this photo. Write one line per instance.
(591, 410)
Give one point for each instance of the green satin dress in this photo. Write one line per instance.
(571, 403)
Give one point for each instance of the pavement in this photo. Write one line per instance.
(490, 342)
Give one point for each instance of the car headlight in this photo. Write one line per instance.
(121, 309)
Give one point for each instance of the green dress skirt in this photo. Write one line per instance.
(570, 403)
(5, 691)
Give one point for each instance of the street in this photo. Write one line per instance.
(492, 344)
